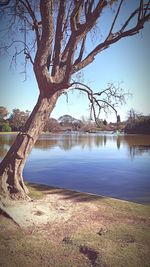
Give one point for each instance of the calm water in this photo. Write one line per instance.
(103, 164)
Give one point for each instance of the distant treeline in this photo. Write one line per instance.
(140, 125)
(135, 124)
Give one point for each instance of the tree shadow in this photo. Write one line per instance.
(65, 193)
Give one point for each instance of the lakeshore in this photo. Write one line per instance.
(60, 227)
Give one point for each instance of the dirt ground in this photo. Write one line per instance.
(59, 227)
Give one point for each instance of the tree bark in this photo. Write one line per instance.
(11, 168)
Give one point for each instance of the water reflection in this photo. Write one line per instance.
(6, 140)
(137, 144)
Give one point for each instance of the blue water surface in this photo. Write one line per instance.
(106, 168)
(102, 164)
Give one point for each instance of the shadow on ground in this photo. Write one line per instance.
(66, 194)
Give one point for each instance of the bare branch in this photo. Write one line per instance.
(6, 47)
(44, 50)
(92, 18)
(111, 98)
(45, 47)
(113, 23)
(58, 36)
(74, 19)
(82, 29)
(28, 56)
(88, 8)
(109, 41)
(63, 50)
(147, 7)
(27, 5)
(4, 3)
(81, 51)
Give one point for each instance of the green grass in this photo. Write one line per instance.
(1, 133)
(34, 193)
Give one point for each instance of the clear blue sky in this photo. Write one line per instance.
(127, 61)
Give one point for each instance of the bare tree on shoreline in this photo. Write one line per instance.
(58, 33)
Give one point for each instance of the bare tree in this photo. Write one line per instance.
(54, 37)
(133, 115)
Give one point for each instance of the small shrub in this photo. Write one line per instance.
(6, 127)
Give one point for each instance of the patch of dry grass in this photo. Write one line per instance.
(88, 231)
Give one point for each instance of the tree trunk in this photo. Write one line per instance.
(11, 167)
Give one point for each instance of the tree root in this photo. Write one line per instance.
(5, 213)
(7, 201)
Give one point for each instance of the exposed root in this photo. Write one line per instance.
(15, 192)
(19, 196)
(11, 199)
(5, 213)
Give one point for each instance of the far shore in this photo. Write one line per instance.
(96, 132)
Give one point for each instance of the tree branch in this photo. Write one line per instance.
(79, 34)
(91, 19)
(35, 22)
(88, 8)
(45, 47)
(115, 18)
(58, 36)
(81, 31)
(113, 38)
(4, 3)
(75, 16)
(81, 51)
(113, 97)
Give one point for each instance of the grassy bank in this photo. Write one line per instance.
(84, 230)
(1, 133)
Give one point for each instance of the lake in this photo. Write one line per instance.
(103, 164)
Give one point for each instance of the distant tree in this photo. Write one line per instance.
(18, 119)
(71, 122)
(3, 112)
(6, 127)
(66, 120)
(118, 119)
(140, 125)
(137, 123)
(133, 115)
(104, 122)
(52, 125)
(87, 125)
(53, 36)
(99, 123)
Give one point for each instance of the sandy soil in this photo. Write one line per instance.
(55, 209)
(39, 212)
